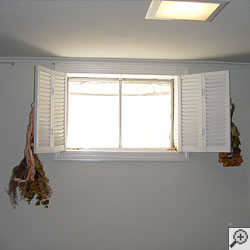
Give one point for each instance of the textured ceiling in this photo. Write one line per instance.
(117, 29)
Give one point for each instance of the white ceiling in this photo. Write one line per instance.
(117, 29)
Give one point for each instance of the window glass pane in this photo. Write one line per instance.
(93, 116)
(146, 115)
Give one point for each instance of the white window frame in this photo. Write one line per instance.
(121, 67)
(93, 156)
(120, 79)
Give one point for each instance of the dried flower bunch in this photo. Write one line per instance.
(232, 159)
(29, 176)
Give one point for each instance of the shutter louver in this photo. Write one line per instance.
(190, 105)
(204, 115)
(216, 117)
(50, 111)
(43, 111)
(60, 102)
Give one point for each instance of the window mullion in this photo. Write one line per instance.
(120, 112)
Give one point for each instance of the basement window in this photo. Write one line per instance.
(122, 113)
(126, 117)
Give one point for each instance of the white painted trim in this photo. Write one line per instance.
(152, 9)
(177, 114)
(139, 67)
(121, 156)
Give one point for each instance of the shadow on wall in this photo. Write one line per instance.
(17, 48)
(243, 58)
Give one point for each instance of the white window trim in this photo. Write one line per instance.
(121, 67)
(95, 156)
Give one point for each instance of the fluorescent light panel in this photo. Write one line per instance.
(184, 10)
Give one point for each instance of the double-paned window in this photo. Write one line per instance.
(120, 113)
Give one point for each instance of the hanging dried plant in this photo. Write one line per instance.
(232, 159)
(29, 176)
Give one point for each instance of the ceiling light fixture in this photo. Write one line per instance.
(195, 10)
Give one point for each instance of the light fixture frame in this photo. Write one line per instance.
(156, 3)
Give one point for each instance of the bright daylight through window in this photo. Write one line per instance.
(120, 113)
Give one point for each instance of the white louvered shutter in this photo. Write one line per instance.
(204, 112)
(190, 109)
(50, 111)
(216, 115)
(60, 106)
(43, 111)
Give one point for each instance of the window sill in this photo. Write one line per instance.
(94, 156)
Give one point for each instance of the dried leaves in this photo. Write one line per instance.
(38, 188)
(29, 176)
(233, 158)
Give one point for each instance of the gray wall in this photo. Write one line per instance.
(123, 205)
